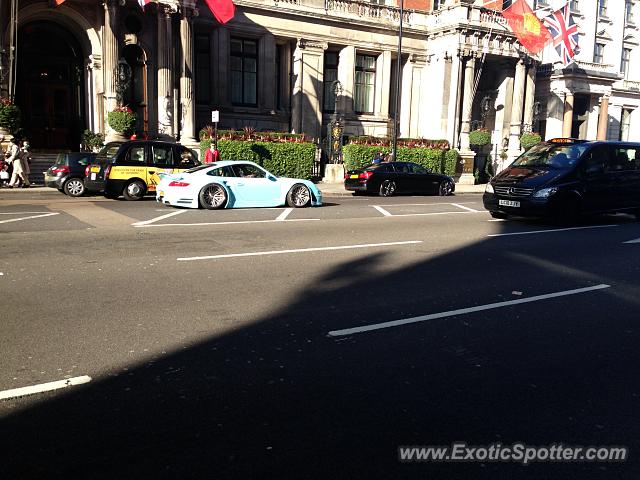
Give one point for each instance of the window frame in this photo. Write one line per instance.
(243, 56)
(328, 102)
(357, 86)
(602, 8)
(598, 53)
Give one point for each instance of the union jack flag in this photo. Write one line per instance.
(142, 3)
(564, 32)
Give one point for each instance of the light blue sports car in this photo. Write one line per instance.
(234, 184)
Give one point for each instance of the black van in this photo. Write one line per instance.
(564, 178)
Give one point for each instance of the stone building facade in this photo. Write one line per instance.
(275, 67)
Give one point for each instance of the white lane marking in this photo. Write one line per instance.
(637, 240)
(30, 217)
(497, 220)
(300, 250)
(382, 210)
(226, 223)
(18, 213)
(461, 311)
(283, 216)
(157, 219)
(43, 387)
(423, 204)
(464, 208)
(550, 230)
(432, 213)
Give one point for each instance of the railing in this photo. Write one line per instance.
(370, 11)
(598, 67)
(629, 85)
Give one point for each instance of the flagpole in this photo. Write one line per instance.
(396, 116)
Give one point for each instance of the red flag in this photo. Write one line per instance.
(59, 2)
(531, 33)
(223, 10)
(493, 4)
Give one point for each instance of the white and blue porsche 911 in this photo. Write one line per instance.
(234, 184)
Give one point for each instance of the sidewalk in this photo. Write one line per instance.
(337, 189)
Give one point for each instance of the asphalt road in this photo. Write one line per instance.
(312, 343)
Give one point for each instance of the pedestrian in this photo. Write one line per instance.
(16, 164)
(5, 175)
(378, 157)
(212, 155)
(25, 159)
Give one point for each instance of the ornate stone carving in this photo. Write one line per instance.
(304, 44)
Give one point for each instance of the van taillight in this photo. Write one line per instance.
(107, 171)
(86, 171)
(64, 169)
(365, 175)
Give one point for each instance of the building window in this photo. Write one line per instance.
(330, 76)
(244, 72)
(202, 49)
(365, 83)
(602, 8)
(625, 122)
(437, 4)
(624, 65)
(574, 6)
(598, 53)
(628, 11)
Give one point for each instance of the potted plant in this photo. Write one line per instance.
(122, 119)
(528, 140)
(92, 142)
(9, 116)
(479, 137)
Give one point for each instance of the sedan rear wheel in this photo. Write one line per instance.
(74, 187)
(445, 188)
(299, 196)
(387, 188)
(213, 197)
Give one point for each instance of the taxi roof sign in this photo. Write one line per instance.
(565, 141)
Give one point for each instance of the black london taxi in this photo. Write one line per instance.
(564, 178)
(134, 169)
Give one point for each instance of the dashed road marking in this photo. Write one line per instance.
(283, 216)
(157, 219)
(43, 387)
(42, 215)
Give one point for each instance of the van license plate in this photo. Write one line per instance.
(353, 176)
(508, 203)
(93, 176)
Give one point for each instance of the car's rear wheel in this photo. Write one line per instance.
(445, 188)
(74, 187)
(387, 188)
(134, 190)
(299, 196)
(499, 215)
(213, 197)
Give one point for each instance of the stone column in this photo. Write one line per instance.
(529, 97)
(110, 48)
(515, 127)
(187, 128)
(306, 114)
(165, 73)
(466, 153)
(603, 119)
(567, 119)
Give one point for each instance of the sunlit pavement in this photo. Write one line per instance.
(312, 343)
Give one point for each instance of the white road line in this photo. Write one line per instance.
(637, 240)
(464, 208)
(550, 230)
(432, 213)
(226, 223)
(423, 204)
(497, 220)
(30, 217)
(283, 216)
(18, 213)
(382, 210)
(157, 219)
(461, 311)
(43, 387)
(299, 250)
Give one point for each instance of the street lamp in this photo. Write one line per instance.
(336, 126)
(123, 79)
(396, 119)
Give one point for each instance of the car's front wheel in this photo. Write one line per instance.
(74, 187)
(387, 188)
(445, 188)
(213, 197)
(299, 196)
(134, 190)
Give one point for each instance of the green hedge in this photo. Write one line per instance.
(287, 159)
(436, 160)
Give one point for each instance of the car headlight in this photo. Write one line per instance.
(545, 192)
(488, 188)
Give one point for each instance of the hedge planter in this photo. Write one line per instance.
(9, 116)
(528, 140)
(479, 138)
(122, 119)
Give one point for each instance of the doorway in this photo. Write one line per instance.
(49, 89)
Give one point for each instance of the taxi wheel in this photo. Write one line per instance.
(387, 188)
(213, 197)
(444, 190)
(74, 187)
(134, 190)
(299, 196)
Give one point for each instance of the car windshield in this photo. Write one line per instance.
(108, 151)
(551, 155)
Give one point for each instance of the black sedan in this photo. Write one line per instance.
(388, 179)
(67, 174)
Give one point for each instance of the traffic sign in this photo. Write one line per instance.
(215, 116)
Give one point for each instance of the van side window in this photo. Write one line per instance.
(623, 159)
(596, 159)
(162, 155)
